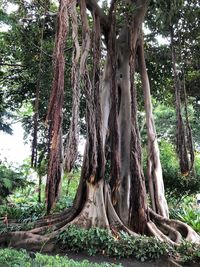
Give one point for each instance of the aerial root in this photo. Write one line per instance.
(173, 231)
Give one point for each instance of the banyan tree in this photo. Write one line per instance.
(112, 191)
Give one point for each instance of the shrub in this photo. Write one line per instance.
(23, 212)
(149, 248)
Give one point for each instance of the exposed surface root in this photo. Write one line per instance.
(98, 211)
(24, 239)
(173, 230)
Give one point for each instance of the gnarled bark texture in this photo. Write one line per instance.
(54, 116)
(71, 149)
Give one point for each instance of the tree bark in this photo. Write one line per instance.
(181, 136)
(71, 150)
(154, 169)
(54, 116)
(113, 116)
(138, 213)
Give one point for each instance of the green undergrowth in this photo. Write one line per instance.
(31, 210)
(189, 252)
(23, 206)
(101, 241)
(96, 241)
(142, 248)
(15, 258)
(186, 210)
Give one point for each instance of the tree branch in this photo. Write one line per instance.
(94, 7)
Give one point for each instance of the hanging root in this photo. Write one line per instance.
(172, 231)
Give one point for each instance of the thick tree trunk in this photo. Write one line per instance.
(138, 214)
(154, 169)
(124, 118)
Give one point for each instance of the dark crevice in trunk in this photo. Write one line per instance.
(113, 117)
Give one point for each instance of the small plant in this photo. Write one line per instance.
(146, 248)
(73, 238)
(186, 210)
(189, 252)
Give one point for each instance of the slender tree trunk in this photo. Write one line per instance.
(113, 117)
(154, 169)
(90, 156)
(181, 136)
(34, 155)
(39, 188)
(54, 116)
(138, 213)
(97, 100)
(188, 128)
(71, 150)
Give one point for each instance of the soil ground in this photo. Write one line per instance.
(164, 262)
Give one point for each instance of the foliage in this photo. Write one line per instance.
(186, 210)
(101, 241)
(189, 252)
(165, 121)
(10, 179)
(23, 206)
(11, 257)
(122, 244)
(23, 212)
(175, 182)
(70, 184)
(26, 212)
